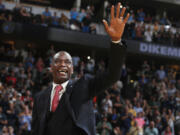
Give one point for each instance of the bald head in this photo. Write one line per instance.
(60, 53)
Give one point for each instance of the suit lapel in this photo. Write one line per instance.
(67, 95)
(46, 103)
(47, 98)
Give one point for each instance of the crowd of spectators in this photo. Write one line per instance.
(144, 27)
(156, 32)
(148, 104)
(79, 20)
(151, 109)
(141, 25)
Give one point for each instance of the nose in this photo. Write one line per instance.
(62, 63)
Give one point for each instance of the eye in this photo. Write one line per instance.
(67, 61)
(59, 62)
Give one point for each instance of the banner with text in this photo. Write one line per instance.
(154, 49)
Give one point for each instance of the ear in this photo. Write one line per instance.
(72, 70)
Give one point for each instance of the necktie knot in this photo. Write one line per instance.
(58, 88)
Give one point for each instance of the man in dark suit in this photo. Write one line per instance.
(66, 107)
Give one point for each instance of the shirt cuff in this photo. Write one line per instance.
(117, 41)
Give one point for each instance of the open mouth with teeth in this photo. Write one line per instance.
(63, 72)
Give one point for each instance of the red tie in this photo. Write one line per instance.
(55, 100)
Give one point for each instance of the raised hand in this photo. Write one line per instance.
(117, 24)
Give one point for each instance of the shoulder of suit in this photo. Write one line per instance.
(42, 92)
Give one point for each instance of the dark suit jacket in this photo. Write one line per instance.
(78, 95)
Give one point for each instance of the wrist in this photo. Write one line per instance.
(115, 38)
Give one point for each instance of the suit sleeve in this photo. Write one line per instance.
(103, 81)
(34, 123)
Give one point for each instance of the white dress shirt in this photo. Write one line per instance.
(60, 93)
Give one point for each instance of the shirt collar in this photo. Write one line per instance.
(63, 85)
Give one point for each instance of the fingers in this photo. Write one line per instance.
(112, 12)
(118, 9)
(117, 15)
(127, 17)
(106, 25)
(122, 12)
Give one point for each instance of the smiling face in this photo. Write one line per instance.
(62, 67)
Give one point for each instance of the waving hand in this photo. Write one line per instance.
(117, 23)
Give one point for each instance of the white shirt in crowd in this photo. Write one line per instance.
(148, 36)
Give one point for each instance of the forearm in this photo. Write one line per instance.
(117, 56)
(103, 81)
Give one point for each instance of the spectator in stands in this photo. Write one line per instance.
(29, 62)
(161, 74)
(11, 130)
(44, 21)
(24, 13)
(148, 35)
(90, 11)
(11, 116)
(76, 60)
(93, 28)
(148, 19)
(5, 131)
(141, 15)
(115, 91)
(29, 82)
(131, 18)
(135, 130)
(167, 131)
(138, 108)
(2, 17)
(151, 129)
(164, 21)
(117, 131)
(10, 18)
(143, 80)
(25, 117)
(40, 65)
(104, 127)
(18, 104)
(106, 103)
(11, 79)
(55, 20)
(3, 119)
(90, 66)
(74, 14)
(140, 120)
(51, 50)
(2, 6)
(85, 23)
(139, 32)
(81, 15)
(126, 119)
(64, 21)
(46, 13)
(177, 99)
